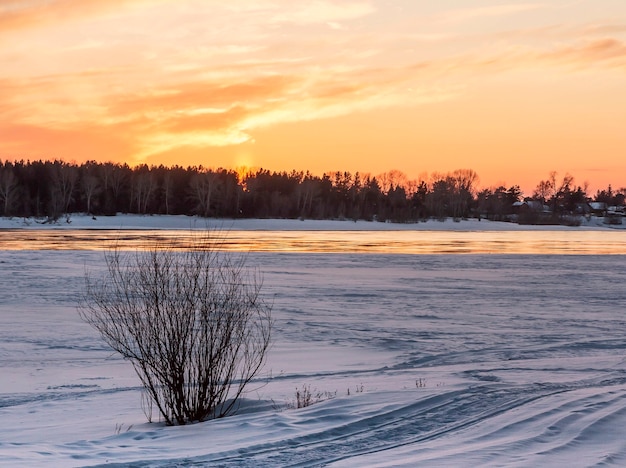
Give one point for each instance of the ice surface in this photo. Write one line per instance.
(433, 360)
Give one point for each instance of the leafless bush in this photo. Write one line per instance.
(192, 323)
(305, 396)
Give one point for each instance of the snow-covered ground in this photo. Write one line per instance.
(122, 221)
(431, 360)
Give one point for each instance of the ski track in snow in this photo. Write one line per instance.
(471, 360)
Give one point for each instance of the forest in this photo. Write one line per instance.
(53, 189)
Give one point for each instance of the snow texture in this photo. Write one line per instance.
(428, 360)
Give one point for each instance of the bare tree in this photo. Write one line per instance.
(64, 178)
(168, 190)
(192, 323)
(464, 181)
(543, 191)
(9, 187)
(90, 183)
(113, 179)
(144, 185)
(202, 187)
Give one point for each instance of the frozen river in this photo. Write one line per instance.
(572, 241)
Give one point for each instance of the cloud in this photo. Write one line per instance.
(200, 114)
(199, 120)
(205, 73)
(57, 100)
(494, 11)
(608, 51)
(322, 12)
(224, 112)
(587, 54)
(604, 29)
(187, 97)
(81, 142)
(16, 14)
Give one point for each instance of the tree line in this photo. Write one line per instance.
(52, 189)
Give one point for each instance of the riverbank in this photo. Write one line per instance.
(125, 221)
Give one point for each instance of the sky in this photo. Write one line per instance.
(510, 89)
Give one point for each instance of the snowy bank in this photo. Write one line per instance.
(123, 221)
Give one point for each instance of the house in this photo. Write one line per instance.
(598, 208)
(530, 205)
(531, 212)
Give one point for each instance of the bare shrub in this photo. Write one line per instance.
(306, 396)
(192, 323)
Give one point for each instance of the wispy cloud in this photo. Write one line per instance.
(15, 14)
(608, 52)
(322, 12)
(177, 119)
(587, 54)
(161, 75)
(493, 11)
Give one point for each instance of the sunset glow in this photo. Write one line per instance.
(512, 90)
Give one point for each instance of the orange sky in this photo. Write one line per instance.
(510, 89)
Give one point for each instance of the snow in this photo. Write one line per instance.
(432, 360)
(123, 221)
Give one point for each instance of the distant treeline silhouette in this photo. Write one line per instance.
(52, 189)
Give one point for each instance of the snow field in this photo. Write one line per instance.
(489, 360)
